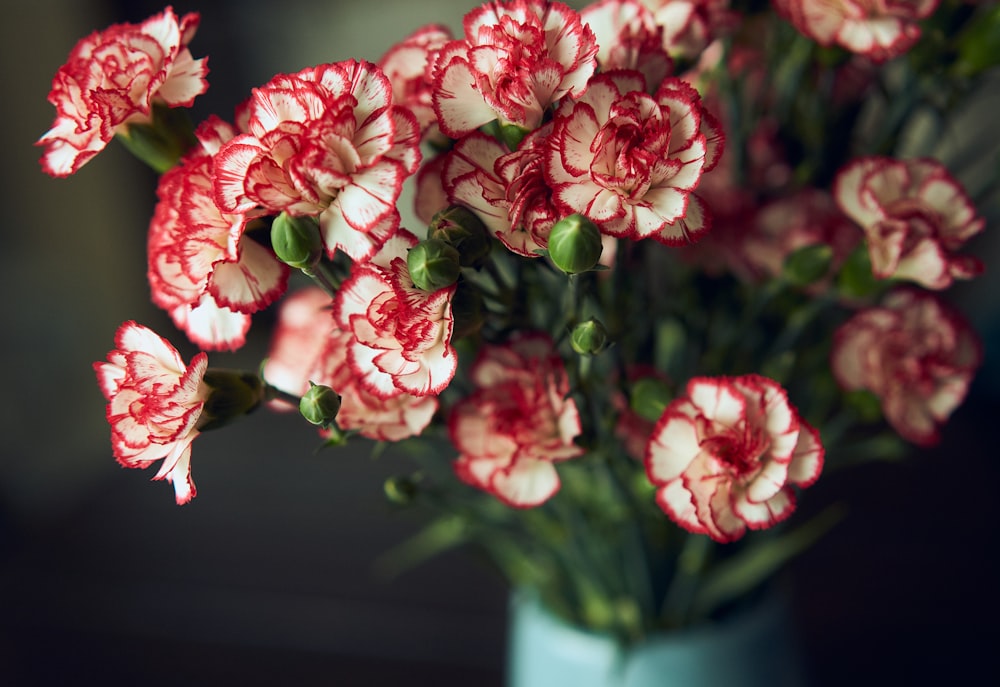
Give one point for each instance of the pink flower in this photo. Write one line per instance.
(409, 66)
(112, 78)
(913, 352)
(630, 161)
(326, 141)
(309, 347)
(628, 38)
(517, 423)
(516, 60)
(507, 191)
(202, 268)
(402, 335)
(881, 30)
(914, 215)
(690, 25)
(154, 404)
(724, 456)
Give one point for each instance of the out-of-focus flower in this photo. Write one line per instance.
(914, 215)
(307, 346)
(402, 334)
(202, 268)
(326, 141)
(517, 423)
(880, 30)
(724, 456)
(154, 404)
(409, 66)
(630, 161)
(690, 25)
(916, 354)
(517, 59)
(112, 79)
(506, 190)
(628, 38)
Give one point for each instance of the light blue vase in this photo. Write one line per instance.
(751, 649)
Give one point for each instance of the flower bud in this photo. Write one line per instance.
(460, 227)
(650, 397)
(575, 244)
(467, 311)
(589, 338)
(296, 241)
(233, 393)
(320, 404)
(433, 265)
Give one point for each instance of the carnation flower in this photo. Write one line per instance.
(112, 78)
(916, 354)
(880, 30)
(517, 423)
(409, 66)
(326, 141)
(630, 161)
(506, 190)
(402, 335)
(724, 456)
(914, 215)
(307, 346)
(516, 60)
(154, 404)
(690, 25)
(202, 268)
(628, 37)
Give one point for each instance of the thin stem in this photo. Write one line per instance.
(680, 594)
(325, 278)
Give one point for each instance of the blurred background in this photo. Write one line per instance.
(267, 577)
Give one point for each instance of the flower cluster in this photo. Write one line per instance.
(656, 259)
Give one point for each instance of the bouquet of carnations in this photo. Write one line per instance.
(668, 261)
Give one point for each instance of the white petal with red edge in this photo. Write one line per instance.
(528, 483)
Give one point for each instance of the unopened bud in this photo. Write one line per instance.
(461, 228)
(575, 244)
(650, 397)
(433, 265)
(296, 241)
(320, 404)
(589, 338)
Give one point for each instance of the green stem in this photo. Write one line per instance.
(681, 592)
(324, 278)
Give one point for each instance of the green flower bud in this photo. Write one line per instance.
(320, 404)
(650, 397)
(460, 227)
(808, 264)
(233, 393)
(296, 241)
(433, 265)
(575, 244)
(400, 490)
(589, 338)
(467, 311)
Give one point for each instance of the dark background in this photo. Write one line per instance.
(267, 577)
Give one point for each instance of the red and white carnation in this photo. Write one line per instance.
(202, 268)
(914, 215)
(309, 347)
(326, 141)
(401, 335)
(916, 354)
(690, 25)
(630, 161)
(112, 78)
(628, 37)
(516, 60)
(409, 66)
(517, 423)
(154, 404)
(880, 30)
(506, 190)
(725, 456)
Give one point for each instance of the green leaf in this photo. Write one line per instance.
(856, 279)
(808, 264)
(979, 45)
(749, 568)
